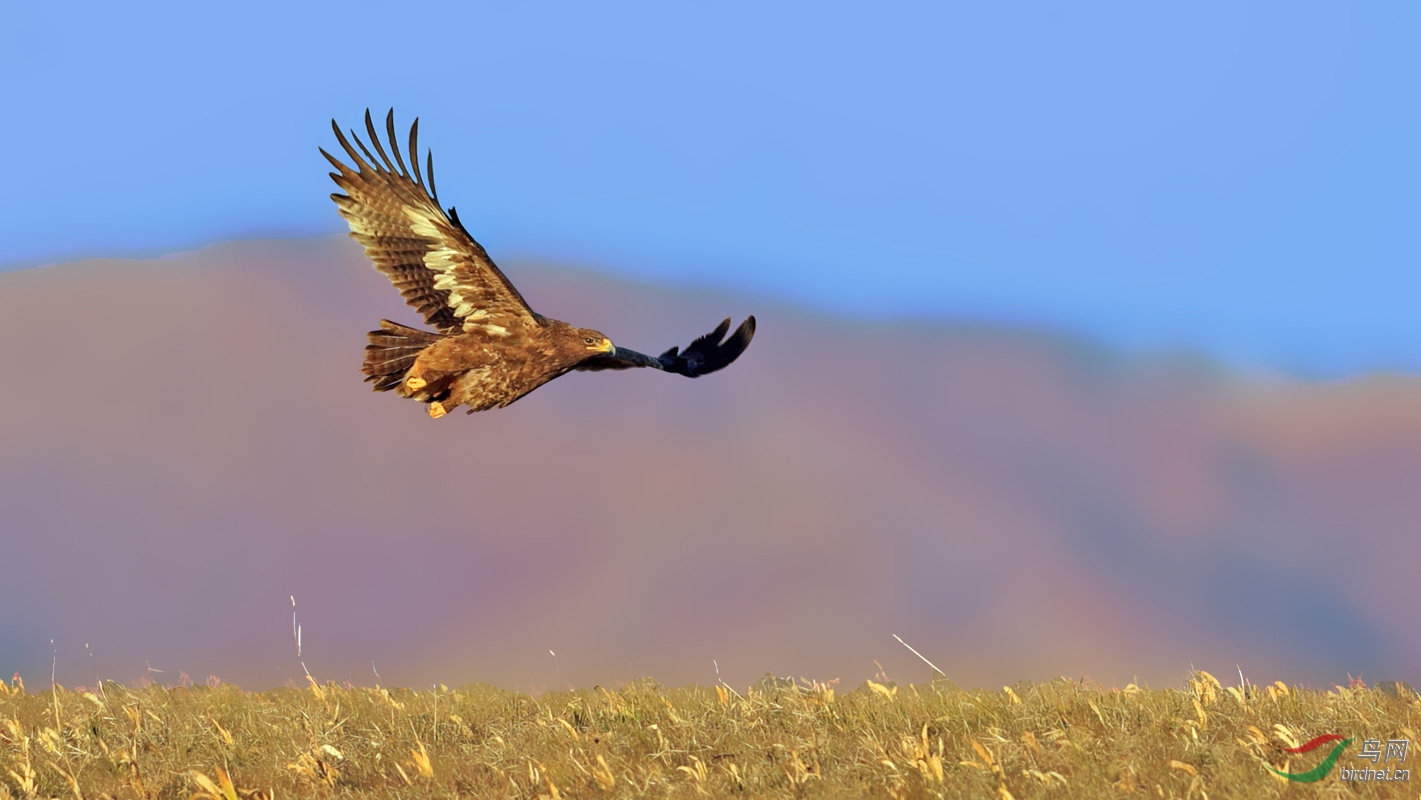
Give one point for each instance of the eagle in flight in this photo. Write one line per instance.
(490, 348)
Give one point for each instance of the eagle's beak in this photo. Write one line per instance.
(608, 347)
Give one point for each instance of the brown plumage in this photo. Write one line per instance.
(491, 348)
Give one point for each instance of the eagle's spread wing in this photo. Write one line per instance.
(701, 357)
(438, 267)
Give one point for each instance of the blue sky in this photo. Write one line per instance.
(1235, 178)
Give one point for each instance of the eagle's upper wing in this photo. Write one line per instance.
(438, 267)
(701, 357)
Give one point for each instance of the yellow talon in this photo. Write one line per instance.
(437, 410)
(414, 383)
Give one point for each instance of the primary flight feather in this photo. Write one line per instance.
(490, 348)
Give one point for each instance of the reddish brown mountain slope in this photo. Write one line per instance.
(186, 442)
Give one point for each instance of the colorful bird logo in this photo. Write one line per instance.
(1320, 771)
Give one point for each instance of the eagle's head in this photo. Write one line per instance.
(594, 343)
(572, 345)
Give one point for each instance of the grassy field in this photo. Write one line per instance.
(1061, 739)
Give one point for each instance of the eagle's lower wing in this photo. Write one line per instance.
(701, 357)
(438, 267)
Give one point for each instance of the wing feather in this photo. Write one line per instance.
(414, 153)
(424, 251)
(375, 140)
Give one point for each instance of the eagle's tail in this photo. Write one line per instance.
(392, 351)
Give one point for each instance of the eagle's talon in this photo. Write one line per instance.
(437, 410)
(414, 383)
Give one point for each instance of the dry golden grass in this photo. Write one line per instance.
(1061, 740)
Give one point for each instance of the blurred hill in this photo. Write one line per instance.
(185, 443)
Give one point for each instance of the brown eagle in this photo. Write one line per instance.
(491, 348)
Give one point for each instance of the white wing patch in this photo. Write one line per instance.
(444, 262)
(421, 224)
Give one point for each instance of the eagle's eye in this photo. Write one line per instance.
(589, 341)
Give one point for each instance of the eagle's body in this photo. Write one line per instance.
(490, 348)
(478, 369)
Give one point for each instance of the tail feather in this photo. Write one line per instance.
(392, 351)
